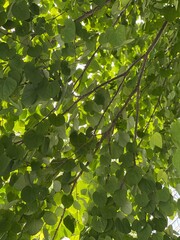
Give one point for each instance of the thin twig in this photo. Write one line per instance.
(111, 101)
(138, 96)
(154, 110)
(90, 12)
(121, 13)
(85, 69)
(59, 224)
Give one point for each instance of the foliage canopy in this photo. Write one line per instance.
(89, 119)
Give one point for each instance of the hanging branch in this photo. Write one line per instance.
(111, 101)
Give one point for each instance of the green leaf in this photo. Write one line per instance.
(50, 218)
(123, 139)
(99, 224)
(34, 9)
(176, 160)
(68, 31)
(4, 164)
(29, 95)
(100, 198)
(175, 131)
(20, 10)
(167, 208)
(127, 159)
(34, 51)
(3, 18)
(123, 225)
(142, 199)
(120, 197)
(45, 146)
(7, 87)
(100, 97)
(99, 2)
(4, 50)
(67, 200)
(22, 29)
(116, 37)
(169, 13)
(133, 175)
(28, 194)
(116, 150)
(108, 212)
(147, 185)
(112, 184)
(57, 120)
(145, 233)
(159, 224)
(6, 219)
(32, 73)
(156, 140)
(69, 165)
(34, 226)
(163, 195)
(127, 207)
(69, 222)
(32, 140)
(124, 2)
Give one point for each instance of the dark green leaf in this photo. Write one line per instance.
(28, 194)
(69, 222)
(32, 140)
(57, 120)
(123, 225)
(100, 198)
(4, 50)
(145, 233)
(32, 73)
(134, 175)
(7, 87)
(4, 164)
(67, 200)
(20, 10)
(29, 95)
(3, 18)
(34, 51)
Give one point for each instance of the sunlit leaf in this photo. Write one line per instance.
(156, 140)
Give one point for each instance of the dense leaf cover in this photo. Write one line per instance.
(89, 119)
